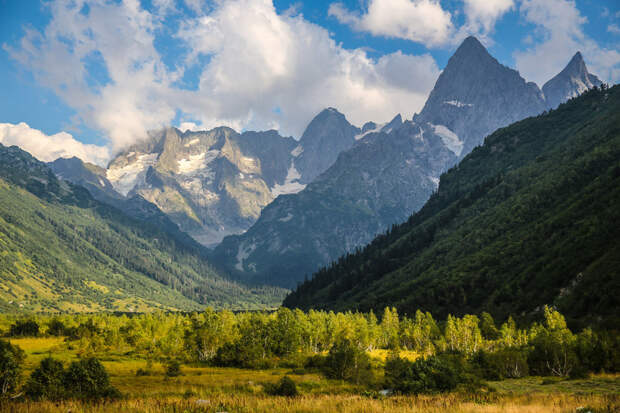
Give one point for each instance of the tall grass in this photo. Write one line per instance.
(451, 403)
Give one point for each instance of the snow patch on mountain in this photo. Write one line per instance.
(291, 183)
(287, 218)
(192, 142)
(375, 130)
(297, 151)
(242, 254)
(449, 138)
(457, 103)
(124, 179)
(191, 164)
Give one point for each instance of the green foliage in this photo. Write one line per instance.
(46, 381)
(433, 374)
(88, 379)
(487, 327)
(346, 361)
(285, 387)
(28, 328)
(56, 328)
(553, 347)
(62, 250)
(173, 368)
(507, 363)
(527, 219)
(11, 359)
(342, 346)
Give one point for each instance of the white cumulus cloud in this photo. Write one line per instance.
(483, 14)
(423, 21)
(560, 34)
(257, 69)
(47, 148)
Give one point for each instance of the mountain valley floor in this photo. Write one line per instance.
(214, 389)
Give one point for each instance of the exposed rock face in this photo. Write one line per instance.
(354, 182)
(384, 177)
(211, 183)
(326, 136)
(570, 82)
(93, 178)
(475, 95)
(378, 182)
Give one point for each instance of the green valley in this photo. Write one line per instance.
(64, 251)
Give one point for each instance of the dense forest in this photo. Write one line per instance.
(64, 251)
(529, 218)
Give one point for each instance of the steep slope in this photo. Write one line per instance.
(570, 82)
(387, 175)
(215, 183)
(211, 183)
(530, 218)
(377, 183)
(93, 178)
(475, 95)
(63, 250)
(328, 134)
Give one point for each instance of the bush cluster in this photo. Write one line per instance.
(83, 379)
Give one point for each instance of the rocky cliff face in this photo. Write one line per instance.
(475, 95)
(93, 178)
(380, 181)
(211, 183)
(570, 82)
(326, 136)
(387, 174)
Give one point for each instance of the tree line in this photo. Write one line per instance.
(442, 354)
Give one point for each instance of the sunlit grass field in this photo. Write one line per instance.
(212, 389)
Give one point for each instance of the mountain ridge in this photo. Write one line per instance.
(65, 251)
(494, 236)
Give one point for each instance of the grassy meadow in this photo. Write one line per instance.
(214, 389)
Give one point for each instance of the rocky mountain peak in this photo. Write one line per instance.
(328, 134)
(572, 81)
(475, 95)
(471, 48)
(393, 124)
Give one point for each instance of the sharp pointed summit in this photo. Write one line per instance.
(475, 94)
(328, 134)
(572, 81)
(470, 48)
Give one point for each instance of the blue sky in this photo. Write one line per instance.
(103, 72)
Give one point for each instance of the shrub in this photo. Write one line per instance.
(551, 355)
(11, 359)
(88, 379)
(243, 354)
(315, 362)
(143, 372)
(173, 368)
(28, 328)
(434, 374)
(56, 328)
(46, 382)
(502, 364)
(347, 361)
(285, 387)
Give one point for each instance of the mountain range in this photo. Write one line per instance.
(276, 209)
(525, 220)
(389, 173)
(62, 250)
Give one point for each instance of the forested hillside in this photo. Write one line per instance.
(63, 250)
(529, 218)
